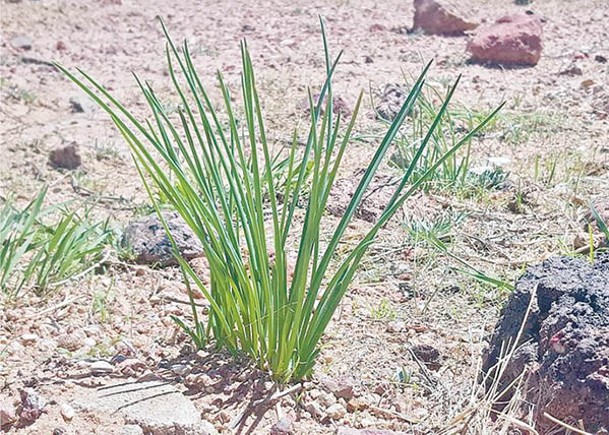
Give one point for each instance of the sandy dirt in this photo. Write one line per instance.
(405, 296)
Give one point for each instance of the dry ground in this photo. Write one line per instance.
(405, 295)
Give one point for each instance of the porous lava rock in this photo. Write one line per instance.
(563, 347)
(436, 17)
(66, 157)
(149, 243)
(511, 40)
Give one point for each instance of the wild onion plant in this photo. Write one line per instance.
(215, 167)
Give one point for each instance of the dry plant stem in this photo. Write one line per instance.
(64, 303)
(565, 425)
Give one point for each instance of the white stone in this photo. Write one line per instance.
(336, 411)
(99, 367)
(67, 412)
(158, 408)
(29, 338)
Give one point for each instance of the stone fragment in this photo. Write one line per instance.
(563, 344)
(283, 427)
(132, 429)
(511, 40)
(147, 239)
(66, 157)
(600, 59)
(438, 17)
(157, 407)
(28, 339)
(8, 413)
(67, 412)
(32, 405)
(429, 355)
(342, 388)
(101, 367)
(21, 42)
(572, 70)
(336, 411)
(76, 106)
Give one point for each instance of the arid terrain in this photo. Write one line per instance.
(410, 298)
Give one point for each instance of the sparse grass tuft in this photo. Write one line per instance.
(41, 256)
(455, 173)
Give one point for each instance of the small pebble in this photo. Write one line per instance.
(336, 411)
(89, 342)
(22, 42)
(100, 367)
(180, 369)
(67, 412)
(29, 338)
(283, 427)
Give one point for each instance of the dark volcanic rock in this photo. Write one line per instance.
(147, 239)
(564, 345)
(429, 355)
(66, 157)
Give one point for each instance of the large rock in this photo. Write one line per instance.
(511, 40)
(157, 407)
(563, 350)
(149, 243)
(436, 17)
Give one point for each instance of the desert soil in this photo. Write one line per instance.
(552, 138)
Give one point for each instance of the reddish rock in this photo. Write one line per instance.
(32, 405)
(511, 40)
(8, 413)
(439, 18)
(341, 388)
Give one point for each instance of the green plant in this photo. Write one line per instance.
(44, 255)
(67, 248)
(602, 226)
(454, 172)
(439, 229)
(220, 174)
(383, 311)
(17, 238)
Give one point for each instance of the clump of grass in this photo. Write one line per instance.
(434, 230)
(216, 169)
(456, 172)
(42, 256)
